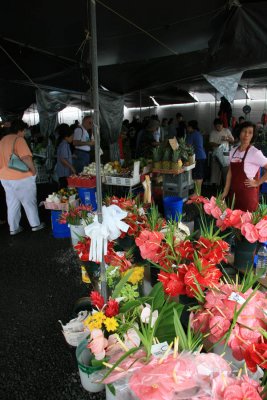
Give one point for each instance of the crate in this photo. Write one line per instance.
(120, 181)
(170, 191)
(41, 174)
(181, 181)
(189, 167)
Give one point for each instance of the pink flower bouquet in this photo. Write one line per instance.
(217, 318)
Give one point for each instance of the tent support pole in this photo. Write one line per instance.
(95, 101)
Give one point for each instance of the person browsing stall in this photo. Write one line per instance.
(243, 177)
(20, 186)
(195, 139)
(82, 141)
(64, 157)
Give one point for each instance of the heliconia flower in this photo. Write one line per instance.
(97, 300)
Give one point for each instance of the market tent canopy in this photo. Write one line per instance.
(162, 47)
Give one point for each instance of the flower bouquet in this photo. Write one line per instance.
(186, 266)
(77, 218)
(234, 315)
(253, 226)
(80, 215)
(177, 370)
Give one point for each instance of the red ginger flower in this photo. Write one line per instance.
(185, 250)
(112, 308)
(118, 259)
(173, 284)
(206, 275)
(213, 251)
(256, 354)
(97, 300)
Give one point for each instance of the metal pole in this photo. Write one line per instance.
(95, 100)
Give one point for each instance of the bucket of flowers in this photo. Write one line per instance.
(233, 319)
(248, 228)
(77, 217)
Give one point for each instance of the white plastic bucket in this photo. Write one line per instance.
(88, 374)
(76, 231)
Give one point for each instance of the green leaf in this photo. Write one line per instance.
(125, 355)
(129, 305)
(121, 283)
(111, 389)
(98, 363)
(157, 294)
(165, 329)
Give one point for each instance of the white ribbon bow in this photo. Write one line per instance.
(110, 229)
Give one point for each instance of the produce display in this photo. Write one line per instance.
(114, 168)
(82, 181)
(167, 157)
(61, 200)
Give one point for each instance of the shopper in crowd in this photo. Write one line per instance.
(145, 139)
(82, 141)
(195, 139)
(243, 177)
(64, 166)
(164, 129)
(219, 136)
(178, 127)
(20, 187)
(236, 129)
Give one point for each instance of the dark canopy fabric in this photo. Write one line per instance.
(44, 44)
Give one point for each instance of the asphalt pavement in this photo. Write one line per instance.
(40, 281)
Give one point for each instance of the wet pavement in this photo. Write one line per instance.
(40, 281)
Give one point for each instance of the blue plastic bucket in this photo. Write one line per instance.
(88, 196)
(173, 207)
(59, 230)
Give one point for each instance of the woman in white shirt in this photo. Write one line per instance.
(243, 177)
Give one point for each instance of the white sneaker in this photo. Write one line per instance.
(38, 227)
(20, 229)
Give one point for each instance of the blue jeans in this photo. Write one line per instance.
(82, 160)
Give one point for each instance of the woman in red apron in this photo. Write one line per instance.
(245, 159)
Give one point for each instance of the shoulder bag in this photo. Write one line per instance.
(15, 162)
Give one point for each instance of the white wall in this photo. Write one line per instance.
(203, 112)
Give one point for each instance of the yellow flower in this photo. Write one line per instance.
(137, 275)
(99, 316)
(94, 321)
(111, 324)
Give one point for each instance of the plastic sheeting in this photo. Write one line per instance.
(111, 117)
(48, 106)
(226, 85)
